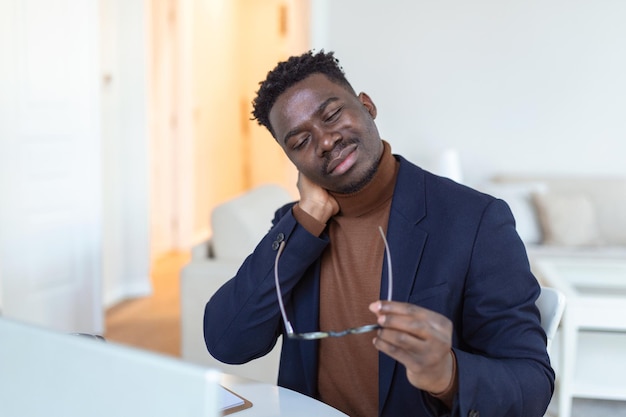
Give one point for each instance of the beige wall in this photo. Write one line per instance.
(265, 42)
(216, 142)
(235, 43)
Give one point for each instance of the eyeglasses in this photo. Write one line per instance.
(321, 335)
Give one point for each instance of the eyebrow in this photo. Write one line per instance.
(320, 109)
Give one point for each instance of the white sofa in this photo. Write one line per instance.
(238, 225)
(566, 216)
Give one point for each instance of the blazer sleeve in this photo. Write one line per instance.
(503, 366)
(242, 320)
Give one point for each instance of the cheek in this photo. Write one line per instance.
(301, 162)
(312, 169)
(359, 125)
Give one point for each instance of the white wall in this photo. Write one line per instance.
(50, 167)
(515, 86)
(125, 155)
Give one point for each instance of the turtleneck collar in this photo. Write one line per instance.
(375, 193)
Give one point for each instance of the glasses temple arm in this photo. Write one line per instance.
(389, 270)
(288, 326)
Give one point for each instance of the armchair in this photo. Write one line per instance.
(237, 227)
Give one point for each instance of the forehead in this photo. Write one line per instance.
(302, 100)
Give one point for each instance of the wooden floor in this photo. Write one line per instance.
(151, 323)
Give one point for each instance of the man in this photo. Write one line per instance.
(461, 335)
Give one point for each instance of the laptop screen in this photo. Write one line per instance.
(46, 373)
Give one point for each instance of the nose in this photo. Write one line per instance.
(328, 142)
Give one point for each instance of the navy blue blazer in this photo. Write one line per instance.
(454, 251)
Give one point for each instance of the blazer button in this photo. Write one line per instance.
(279, 238)
(473, 413)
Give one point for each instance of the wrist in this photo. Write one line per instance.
(449, 391)
(307, 221)
(320, 212)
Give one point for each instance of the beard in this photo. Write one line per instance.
(358, 183)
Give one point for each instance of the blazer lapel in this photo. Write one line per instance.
(406, 243)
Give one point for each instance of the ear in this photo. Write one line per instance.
(368, 103)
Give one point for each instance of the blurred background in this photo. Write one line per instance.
(123, 123)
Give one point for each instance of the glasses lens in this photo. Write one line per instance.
(322, 335)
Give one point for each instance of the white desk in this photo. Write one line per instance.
(592, 345)
(272, 401)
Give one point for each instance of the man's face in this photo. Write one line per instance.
(328, 133)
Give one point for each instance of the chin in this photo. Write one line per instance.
(356, 185)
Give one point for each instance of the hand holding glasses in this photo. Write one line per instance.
(321, 335)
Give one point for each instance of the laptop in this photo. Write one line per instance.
(46, 373)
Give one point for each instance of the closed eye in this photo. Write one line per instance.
(299, 144)
(334, 115)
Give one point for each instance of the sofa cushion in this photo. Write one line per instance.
(239, 224)
(567, 219)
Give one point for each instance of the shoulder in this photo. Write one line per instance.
(437, 190)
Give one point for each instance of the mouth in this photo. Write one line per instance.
(343, 161)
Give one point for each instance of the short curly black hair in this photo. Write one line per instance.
(289, 72)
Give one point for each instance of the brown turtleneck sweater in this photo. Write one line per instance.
(349, 281)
